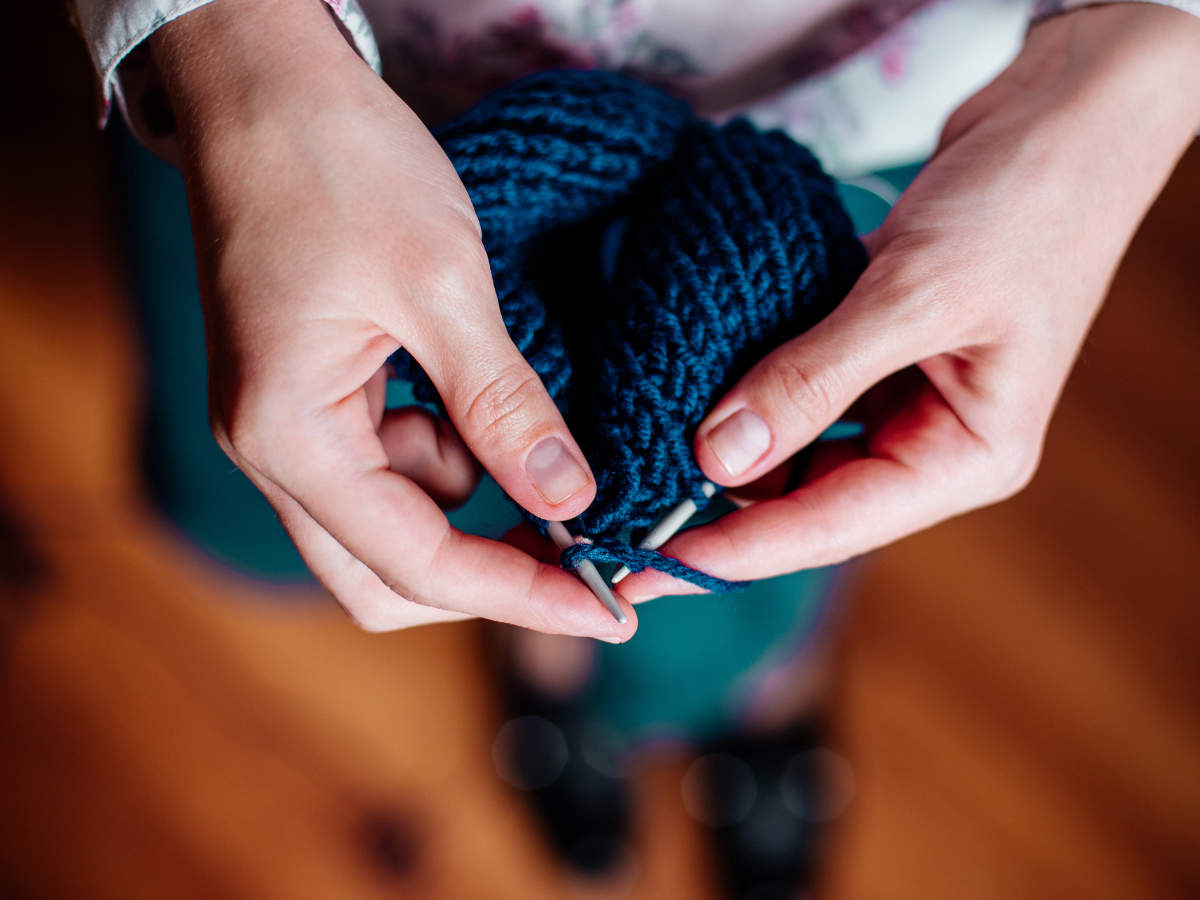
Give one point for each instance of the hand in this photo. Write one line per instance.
(954, 345)
(330, 231)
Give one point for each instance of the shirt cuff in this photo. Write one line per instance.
(112, 29)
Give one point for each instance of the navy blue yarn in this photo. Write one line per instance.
(636, 560)
(644, 259)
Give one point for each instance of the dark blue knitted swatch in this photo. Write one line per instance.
(644, 259)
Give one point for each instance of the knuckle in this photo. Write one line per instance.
(804, 394)
(362, 601)
(901, 271)
(248, 426)
(370, 621)
(371, 603)
(505, 405)
(458, 205)
(242, 434)
(904, 294)
(460, 269)
(1014, 467)
(221, 435)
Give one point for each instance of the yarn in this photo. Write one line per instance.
(643, 259)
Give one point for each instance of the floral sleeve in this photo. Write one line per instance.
(866, 83)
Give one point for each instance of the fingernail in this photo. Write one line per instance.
(554, 471)
(611, 640)
(740, 440)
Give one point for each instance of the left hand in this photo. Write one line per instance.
(955, 343)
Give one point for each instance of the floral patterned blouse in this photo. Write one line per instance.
(865, 83)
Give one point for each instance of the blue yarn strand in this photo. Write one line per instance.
(643, 260)
(637, 560)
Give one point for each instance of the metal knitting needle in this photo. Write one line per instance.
(586, 570)
(668, 525)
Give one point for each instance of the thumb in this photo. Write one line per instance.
(800, 389)
(503, 413)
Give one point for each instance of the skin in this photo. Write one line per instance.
(331, 230)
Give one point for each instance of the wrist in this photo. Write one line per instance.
(1102, 96)
(232, 65)
(1126, 74)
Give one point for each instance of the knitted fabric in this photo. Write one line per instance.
(643, 259)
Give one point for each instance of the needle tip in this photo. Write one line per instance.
(587, 571)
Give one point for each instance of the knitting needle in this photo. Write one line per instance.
(668, 525)
(586, 570)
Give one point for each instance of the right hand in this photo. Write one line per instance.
(331, 230)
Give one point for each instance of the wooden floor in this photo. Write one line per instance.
(1018, 690)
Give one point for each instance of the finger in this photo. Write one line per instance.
(923, 466)
(800, 389)
(391, 525)
(360, 593)
(427, 450)
(506, 417)
(772, 484)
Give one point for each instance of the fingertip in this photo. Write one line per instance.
(620, 632)
(707, 460)
(574, 506)
(631, 616)
(731, 448)
(562, 482)
(609, 629)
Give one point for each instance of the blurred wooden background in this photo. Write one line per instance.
(1018, 690)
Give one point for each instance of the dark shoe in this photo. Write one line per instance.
(569, 771)
(766, 801)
